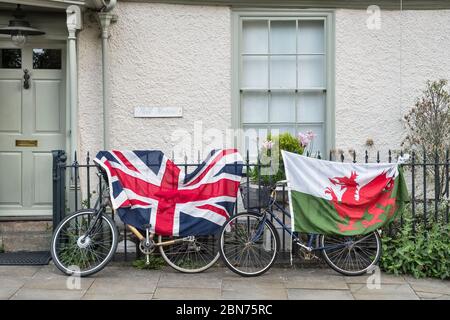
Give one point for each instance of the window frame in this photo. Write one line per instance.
(238, 15)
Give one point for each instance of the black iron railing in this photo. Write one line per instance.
(428, 183)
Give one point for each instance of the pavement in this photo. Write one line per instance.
(126, 282)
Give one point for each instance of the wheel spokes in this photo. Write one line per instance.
(249, 246)
(357, 254)
(84, 255)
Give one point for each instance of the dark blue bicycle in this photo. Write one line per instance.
(249, 242)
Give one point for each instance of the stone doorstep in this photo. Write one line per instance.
(26, 242)
(24, 235)
(25, 226)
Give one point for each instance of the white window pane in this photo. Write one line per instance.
(253, 136)
(255, 72)
(254, 36)
(282, 107)
(276, 130)
(311, 107)
(254, 107)
(318, 143)
(282, 37)
(311, 71)
(282, 72)
(310, 36)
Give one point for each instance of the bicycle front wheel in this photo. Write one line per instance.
(74, 251)
(352, 255)
(189, 254)
(248, 244)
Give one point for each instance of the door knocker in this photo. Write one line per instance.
(26, 79)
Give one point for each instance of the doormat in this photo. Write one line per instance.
(25, 258)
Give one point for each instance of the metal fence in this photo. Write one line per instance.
(428, 184)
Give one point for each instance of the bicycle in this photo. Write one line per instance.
(249, 242)
(85, 241)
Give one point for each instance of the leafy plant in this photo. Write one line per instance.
(71, 254)
(425, 253)
(428, 124)
(155, 263)
(2, 248)
(270, 154)
(85, 203)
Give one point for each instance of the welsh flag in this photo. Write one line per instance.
(342, 198)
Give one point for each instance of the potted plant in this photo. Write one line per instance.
(271, 170)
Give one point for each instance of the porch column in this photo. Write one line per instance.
(105, 19)
(73, 25)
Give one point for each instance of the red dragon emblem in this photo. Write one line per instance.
(354, 201)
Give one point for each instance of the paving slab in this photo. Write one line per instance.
(252, 282)
(316, 294)
(384, 278)
(40, 294)
(19, 271)
(432, 296)
(52, 279)
(312, 281)
(386, 292)
(265, 279)
(255, 294)
(248, 288)
(123, 285)
(12, 282)
(127, 271)
(7, 292)
(429, 285)
(186, 293)
(124, 296)
(122, 281)
(199, 280)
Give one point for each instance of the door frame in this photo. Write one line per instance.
(49, 43)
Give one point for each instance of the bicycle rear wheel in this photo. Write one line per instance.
(74, 251)
(249, 244)
(190, 254)
(353, 255)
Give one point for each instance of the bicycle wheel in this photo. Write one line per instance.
(353, 255)
(190, 254)
(75, 252)
(248, 245)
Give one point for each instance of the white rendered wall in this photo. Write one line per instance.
(161, 55)
(178, 55)
(380, 73)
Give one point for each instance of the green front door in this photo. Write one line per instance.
(32, 123)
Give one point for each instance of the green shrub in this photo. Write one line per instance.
(423, 254)
(284, 141)
(155, 263)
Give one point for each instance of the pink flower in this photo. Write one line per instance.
(304, 139)
(311, 134)
(268, 144)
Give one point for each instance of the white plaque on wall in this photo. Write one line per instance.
(158, 112)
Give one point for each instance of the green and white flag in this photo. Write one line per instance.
(342, 198)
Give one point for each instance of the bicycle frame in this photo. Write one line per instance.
(311, 237)
(139, 235)
(100, 208)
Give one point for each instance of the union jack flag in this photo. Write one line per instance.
(148, 188)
